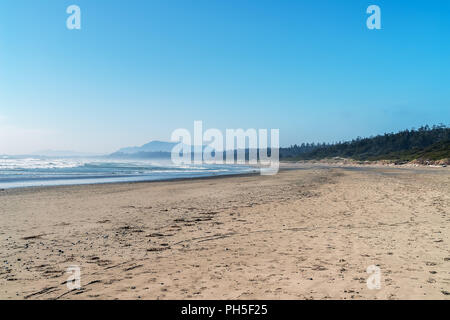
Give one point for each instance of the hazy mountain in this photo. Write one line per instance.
(153, 146)
(153, 149)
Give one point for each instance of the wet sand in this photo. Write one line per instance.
(302, 234)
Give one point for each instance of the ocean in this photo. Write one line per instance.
(16, 172)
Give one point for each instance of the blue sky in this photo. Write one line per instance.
(137, 70)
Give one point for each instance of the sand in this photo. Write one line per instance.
(307, 233)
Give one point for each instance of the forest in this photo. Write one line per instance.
(425, 143)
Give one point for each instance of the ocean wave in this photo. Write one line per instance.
(33, 171)
(34, 163)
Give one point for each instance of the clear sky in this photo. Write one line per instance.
(137, 70)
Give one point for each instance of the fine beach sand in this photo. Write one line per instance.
(309, 233)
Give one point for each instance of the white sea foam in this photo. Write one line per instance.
(34, 171)
(34, 163)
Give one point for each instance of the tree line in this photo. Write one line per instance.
(432, 143)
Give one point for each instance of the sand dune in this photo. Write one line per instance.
(308, 233)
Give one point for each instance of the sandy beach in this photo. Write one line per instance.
(309, 232)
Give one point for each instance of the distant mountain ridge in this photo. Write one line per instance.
(152, 146)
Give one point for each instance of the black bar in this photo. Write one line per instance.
(221, 309)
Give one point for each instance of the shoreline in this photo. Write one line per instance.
(284, 166)
(28, 188)
(381, 163)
